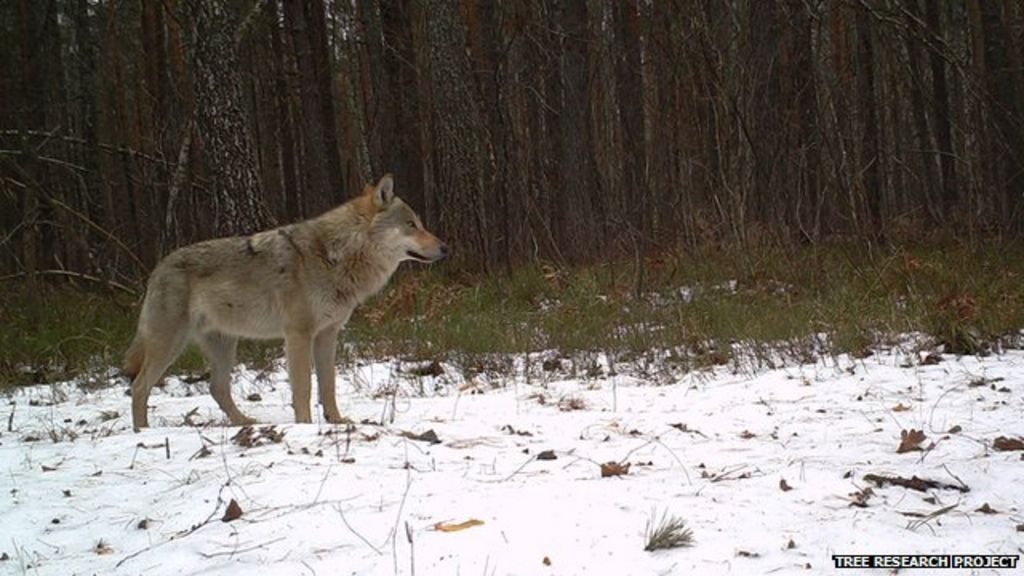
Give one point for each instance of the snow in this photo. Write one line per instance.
(77, 482)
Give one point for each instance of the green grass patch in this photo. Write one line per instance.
(773, 300)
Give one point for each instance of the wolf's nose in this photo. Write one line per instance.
(444, 250)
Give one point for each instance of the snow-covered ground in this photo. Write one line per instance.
(767, 470)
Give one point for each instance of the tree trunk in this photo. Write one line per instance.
(237, 196)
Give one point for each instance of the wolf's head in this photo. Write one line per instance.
(396, 229)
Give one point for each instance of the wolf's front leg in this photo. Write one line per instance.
(325, 346)
(298, 350)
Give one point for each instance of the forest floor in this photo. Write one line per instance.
(774, 470)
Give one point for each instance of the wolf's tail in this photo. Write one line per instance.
(133, 357)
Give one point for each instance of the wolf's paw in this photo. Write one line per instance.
(338, 419)
(243, 420)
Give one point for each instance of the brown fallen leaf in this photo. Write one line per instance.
(572, 403)
(900, 408)
(429, 436)
(546, 561)
(784, 486)
(1004, 444)
(233, 511)
(986, 509)
(49, 468)
(102, 548)
(955, 429)
(913, 483)
(910, 441)
(446, 527)
(860, 498)
(747, 435)
(547, 455)
(614, 469)
(747, 554)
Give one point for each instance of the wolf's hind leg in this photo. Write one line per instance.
(157, 357)
(219, 350)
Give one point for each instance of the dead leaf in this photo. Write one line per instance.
(546, 561)
(791, 544)
(955, 429)
(747, 554)
(614, 469)
(900, 408)
(254, 397)
(102, 548)
(910, 440)
(747, 435)
(1004, 444)
(1020, 527)
(446, 527)
(250, 436)
(508, 428)
(203, 452)
(986, 509)
(429, 436)
(572, 403)
(860, 498)
(233, 511)
(547, 455)
(49, 468)
(784, 486)
(914, 483)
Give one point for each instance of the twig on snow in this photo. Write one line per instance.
(353, 530)
(233, 551)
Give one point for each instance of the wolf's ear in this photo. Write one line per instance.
(384, 192)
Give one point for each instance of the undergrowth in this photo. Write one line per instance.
(792, 303)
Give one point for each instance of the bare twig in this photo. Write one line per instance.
(924, 521)
(234, 551)
(412, 549)
(398, 517)
(181, 534)
(518, 470)
(353, 530)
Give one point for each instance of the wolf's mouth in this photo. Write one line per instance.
(417, 256)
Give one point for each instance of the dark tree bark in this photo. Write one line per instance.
(321, 156)
(943, 115)
(237, 196)
(932, 193)
(1002, 84)
(401, 142)
(461, 166)
(871, 157)
(573, 214)
(284, 123)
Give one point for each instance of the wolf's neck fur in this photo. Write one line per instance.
(359, 267)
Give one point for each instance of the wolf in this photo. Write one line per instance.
(299, 282)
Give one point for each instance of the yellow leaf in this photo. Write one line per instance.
(445, 527)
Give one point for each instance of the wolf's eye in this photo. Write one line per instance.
(410, 224)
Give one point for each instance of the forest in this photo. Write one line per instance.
(525, 131)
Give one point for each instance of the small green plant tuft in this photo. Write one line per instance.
(669, 532)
